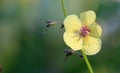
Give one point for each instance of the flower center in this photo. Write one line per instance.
(84, 31)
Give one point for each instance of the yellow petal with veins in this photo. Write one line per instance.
(95, 30)
(91, 45)
(72, 23)
(73, 40)
(88, 17)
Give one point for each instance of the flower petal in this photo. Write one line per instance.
(72, 23)
(88, 17)
(95, 30)
(73, 40)
(91, 45)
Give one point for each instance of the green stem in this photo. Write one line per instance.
(85, 57)
(87, 62)
(63, 7)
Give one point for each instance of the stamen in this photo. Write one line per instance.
(84, 31)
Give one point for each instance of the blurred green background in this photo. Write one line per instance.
(28, 46)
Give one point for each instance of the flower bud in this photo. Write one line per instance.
(70, 52)
(51, 22)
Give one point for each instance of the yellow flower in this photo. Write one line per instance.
(83, 33)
